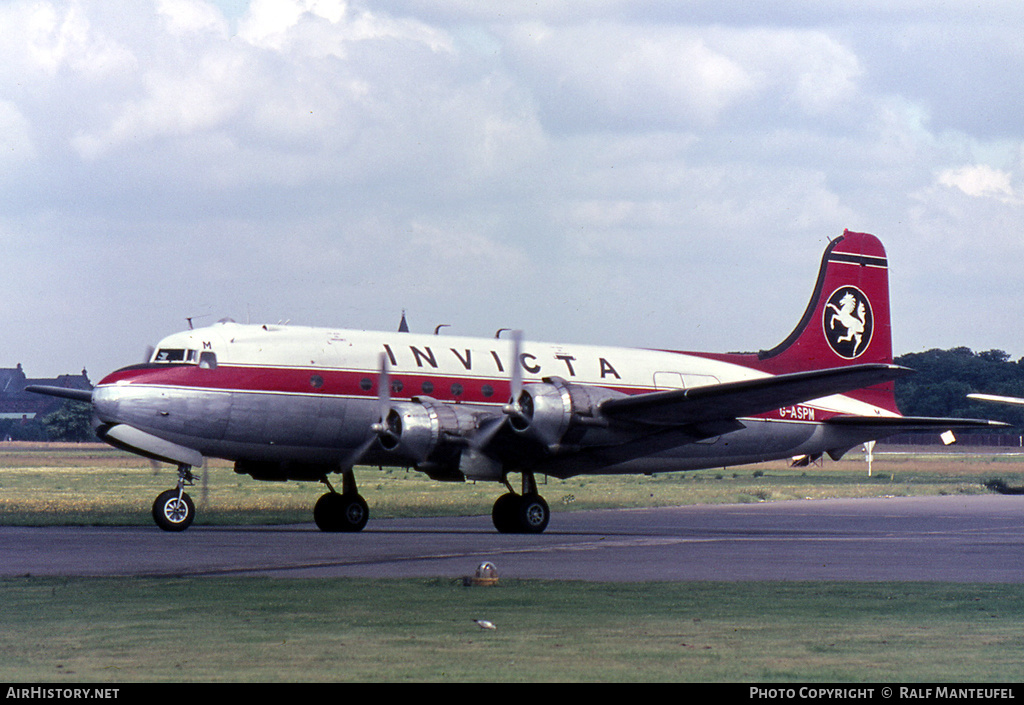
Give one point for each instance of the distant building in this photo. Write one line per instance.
(16, 403)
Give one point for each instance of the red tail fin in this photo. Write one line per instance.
(847, 319)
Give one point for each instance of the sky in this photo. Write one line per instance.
(659, 174)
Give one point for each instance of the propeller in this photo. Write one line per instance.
(514, 408)
(389, 427)
(385, 427)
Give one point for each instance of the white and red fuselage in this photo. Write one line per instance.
(311, 395)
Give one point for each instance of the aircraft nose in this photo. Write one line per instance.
(106, 403)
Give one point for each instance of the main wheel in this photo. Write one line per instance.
(172, 512)
(532, 514)
(503, 514)
(341, 512)
(520, 514)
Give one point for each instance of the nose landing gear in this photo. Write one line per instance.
(173, 510)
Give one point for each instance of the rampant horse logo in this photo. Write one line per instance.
(848, 321)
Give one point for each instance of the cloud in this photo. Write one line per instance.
(326, 27)
(601, 75)
(184, 17)
(981, 181)
(555, 166)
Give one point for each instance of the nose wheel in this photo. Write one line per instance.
(174, 510)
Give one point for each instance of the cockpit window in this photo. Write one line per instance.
(176, 355)
(169, 355)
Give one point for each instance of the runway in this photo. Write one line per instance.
(951, 539)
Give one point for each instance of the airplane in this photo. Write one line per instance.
(298, 403)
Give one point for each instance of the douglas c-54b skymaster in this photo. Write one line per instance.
(292, 403)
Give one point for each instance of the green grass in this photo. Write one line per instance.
(64, 630)
(92, 484)
(251, 630)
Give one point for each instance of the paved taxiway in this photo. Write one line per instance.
(961, 539)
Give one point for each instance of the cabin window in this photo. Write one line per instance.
(208, 360)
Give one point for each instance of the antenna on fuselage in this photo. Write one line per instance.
(403, 327)
(439, 326)
(190, 319)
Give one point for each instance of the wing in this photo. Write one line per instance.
(63, 392)
(996, 398)
(731, 400)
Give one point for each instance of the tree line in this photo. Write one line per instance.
(944, 378)
(71, 422)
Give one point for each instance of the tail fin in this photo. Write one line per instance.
(847, 319)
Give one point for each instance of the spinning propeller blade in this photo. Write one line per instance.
(513, 407)
(379, 428)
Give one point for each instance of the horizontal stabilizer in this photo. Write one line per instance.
(680, 407)
(146, 444)
(906, 424)
(996, 398)
(63, 392)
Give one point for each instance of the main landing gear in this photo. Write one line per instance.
(525, 513)
(173, 510)
(341, 512)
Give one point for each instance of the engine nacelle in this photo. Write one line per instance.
(419, 430)
(556, 413)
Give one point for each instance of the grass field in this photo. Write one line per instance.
(61, 630)
(208, 630)
(43, 484)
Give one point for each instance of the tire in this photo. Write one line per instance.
(532, 514)
(515, 514)
(171, 513)
(503, 514)
(335, 512)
